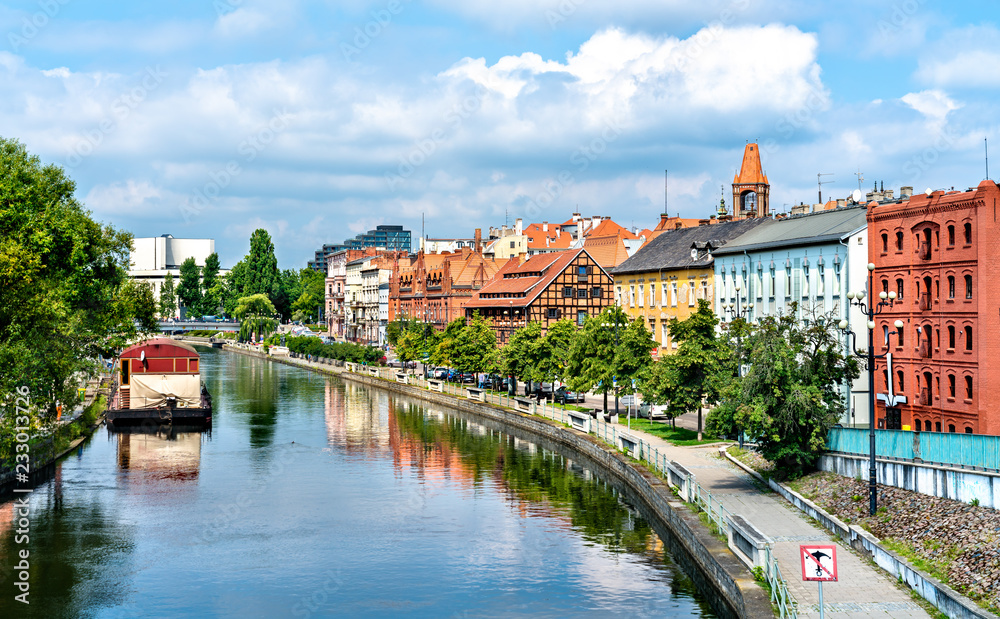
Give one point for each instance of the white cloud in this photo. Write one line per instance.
(933, 104)
(964, 57)
(130, 197)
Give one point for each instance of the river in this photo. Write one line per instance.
(311, 496)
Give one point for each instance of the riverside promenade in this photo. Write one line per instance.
(862, 591)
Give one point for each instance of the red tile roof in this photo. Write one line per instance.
(525, 281)
(751, 171)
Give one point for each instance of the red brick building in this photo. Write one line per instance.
(938, 253)
(545, 288)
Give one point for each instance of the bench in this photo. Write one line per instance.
(579, 421)
(476, 394)
(680, 478)
(402, 378)
(629, 443)
(435, 385)
(524, 405)
(373, 372)
(747, 542)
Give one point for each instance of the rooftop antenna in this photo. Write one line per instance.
(421, 232)
(666, 184)
(861, 177)
(820, 182)
(986, 145)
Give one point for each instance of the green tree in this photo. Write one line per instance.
(257, 317)
(168, 298)
(189, 288)
(261, 275)
(210, 292)
(65, 295)
(592, 356)
(695, 374)
(517, 358)
(633, 355)
(789, 397)
(232, 287)
(289, 290)
(475, 347)
(443, 352)
(311, 295)
(551, 353)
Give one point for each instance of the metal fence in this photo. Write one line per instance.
(975, 451)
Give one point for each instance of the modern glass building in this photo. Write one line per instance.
(392, 238)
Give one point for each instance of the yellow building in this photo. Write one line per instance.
(665, 278)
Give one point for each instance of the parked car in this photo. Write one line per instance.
(564, 396)
(440, 373)
(542, 391)
(468, 377)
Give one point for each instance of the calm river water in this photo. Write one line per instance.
(311, 496)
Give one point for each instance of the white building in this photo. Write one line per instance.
(152, 258)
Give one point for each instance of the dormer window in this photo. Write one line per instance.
(694, 253)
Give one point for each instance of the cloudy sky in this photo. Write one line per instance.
(319, 120)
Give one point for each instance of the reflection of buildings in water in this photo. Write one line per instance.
(156, 455)
(357, 418)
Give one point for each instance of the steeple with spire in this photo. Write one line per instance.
(750, 186)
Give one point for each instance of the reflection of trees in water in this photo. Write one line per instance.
(80, 556)
(543, 480)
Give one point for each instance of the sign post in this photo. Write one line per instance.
(819, 563)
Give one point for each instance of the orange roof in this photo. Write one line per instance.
(607, 251)
(524, 281)
(751, 171)
(554, 237)
(610, 228)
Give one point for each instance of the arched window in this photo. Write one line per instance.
(968, 430)
(968, 286)
(899, 289)
(951, 385)
(968, 387)
(951, 428)
(951, 235)
(951, 286)
(899, 338)
(927, 425)
(899, 381)
(899, 241)
(968, 338)
(885, 242)
(937, 426)
(968, 234)
(951, 336)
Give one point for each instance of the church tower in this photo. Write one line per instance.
(750, 186)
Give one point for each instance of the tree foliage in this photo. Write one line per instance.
(168, 298)
(789, 398)
(65, 295)
(261, 273)
(475, 348)
(444, 351)
(517, 358)
(551, 353)
(211, 286)
(695, 374)
(189, 287)
(257, 317)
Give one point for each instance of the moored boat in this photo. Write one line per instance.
(160, 381)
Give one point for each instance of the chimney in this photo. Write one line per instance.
(841, 203)
(888, 194)
(479, 240)
(906, 192)
(576, 217)
(518, 227)
(545, 226)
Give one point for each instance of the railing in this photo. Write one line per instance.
(976, 451)
(779, 589)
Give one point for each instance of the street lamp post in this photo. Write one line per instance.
(870, 309)
(614, 378)
(741, 311)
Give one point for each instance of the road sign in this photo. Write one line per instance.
(819, 562)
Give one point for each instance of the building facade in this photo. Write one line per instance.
(937, 252)
(153, 258)
(386, 238)
(751, 190)
(666, 278)
(545, 288)
(435, 287)
(813, 260)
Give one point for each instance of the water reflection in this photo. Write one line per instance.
(156, 454)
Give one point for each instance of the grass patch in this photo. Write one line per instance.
(678, 436)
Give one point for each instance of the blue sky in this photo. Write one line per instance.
(319, 120)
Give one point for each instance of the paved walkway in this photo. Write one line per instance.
(863, 590)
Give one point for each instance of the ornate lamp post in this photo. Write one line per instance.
(614, 378)
(870, 309)
(741, 311)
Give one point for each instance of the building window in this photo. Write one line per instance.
(596, 292)
(899, 338)
(951, 385)
(704, 289)
(582, 273)
(652, 295)
(968, 338)
(821, 285)
(512, 244)
(581, 315)
(951, 337)
(641, 288)
(968, 387)
(553, 312)
(951, 235)
(951, 286)
(968, 234)
(899, 381)
(788, 281)
(673, 294)
(618, 294)
(899, 241)
(631, 296)
(581, 293)
(968, 286)
(568, 292)
(899, 289)
(885, 243)
(664, 334)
